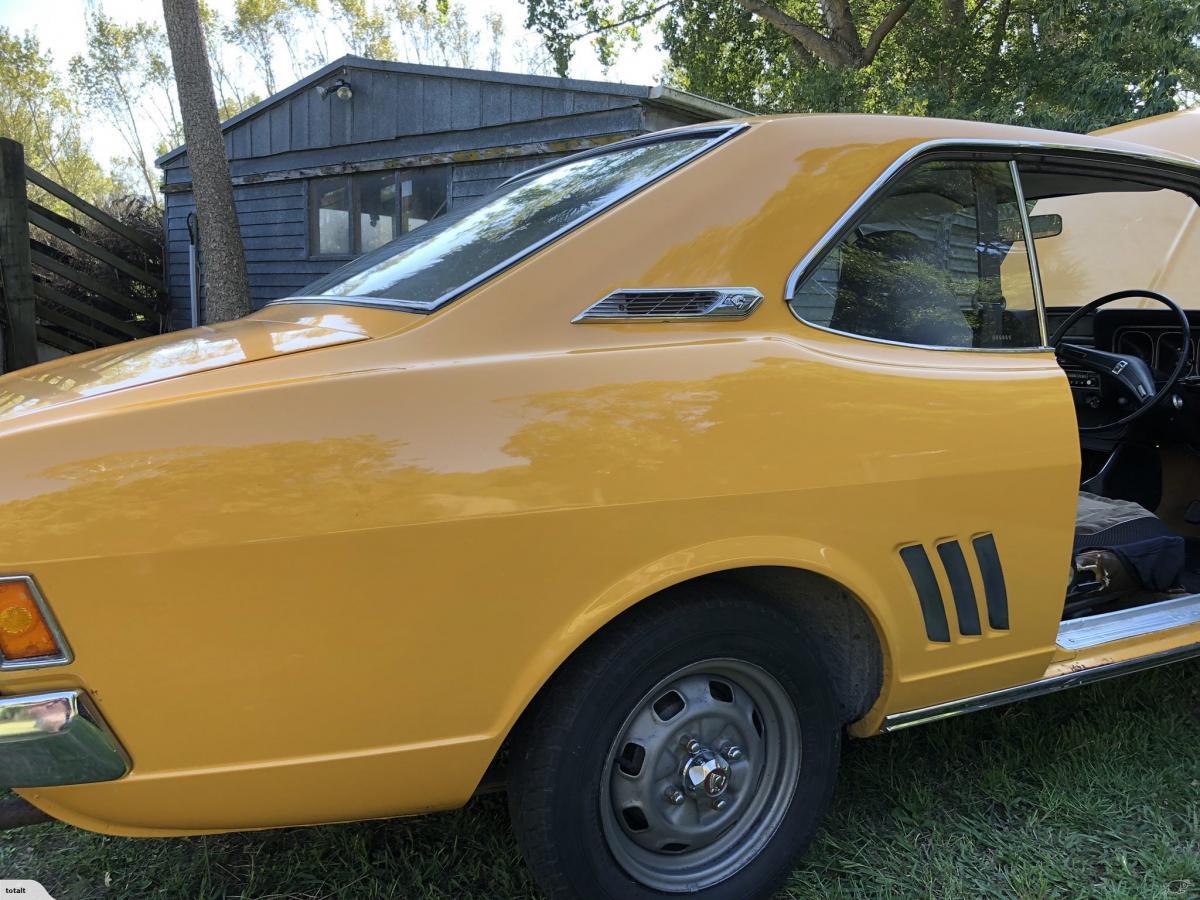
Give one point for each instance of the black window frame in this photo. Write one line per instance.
(352, 182)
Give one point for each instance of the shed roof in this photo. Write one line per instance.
(654, 95)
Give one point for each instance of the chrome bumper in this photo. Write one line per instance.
(54, 739)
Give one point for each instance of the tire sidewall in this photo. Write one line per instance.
(653, 654)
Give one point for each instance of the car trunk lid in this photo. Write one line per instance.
(276, 331)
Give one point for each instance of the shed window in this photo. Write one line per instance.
(332, 206)
(355, 214)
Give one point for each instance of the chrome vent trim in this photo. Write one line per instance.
(670, 304)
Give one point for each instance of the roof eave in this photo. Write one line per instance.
(694, 103)
(655, 94)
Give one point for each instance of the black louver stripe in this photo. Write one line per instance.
(994, 590)
(962, 589)
(929, 595)
(965, 606)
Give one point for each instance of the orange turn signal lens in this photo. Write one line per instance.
(24, 632)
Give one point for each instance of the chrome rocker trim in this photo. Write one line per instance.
(1093, 631)
(898, 721)
(55, 739)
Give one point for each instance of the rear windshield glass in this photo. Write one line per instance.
(430, 266)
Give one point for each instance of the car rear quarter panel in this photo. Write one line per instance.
(323, 587)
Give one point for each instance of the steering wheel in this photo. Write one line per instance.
(1132, 373)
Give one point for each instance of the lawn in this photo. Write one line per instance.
(1091, 793)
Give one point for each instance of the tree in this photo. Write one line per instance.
(126, 77)
(232, 97)
(366, 29)
(435, 33)
(256, 26)
(829, 31)
(1069, 64)
(425, 31)
(37, 111)
(494, 22)
(226, 289)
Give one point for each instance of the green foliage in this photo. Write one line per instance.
(562, 23)
(125, 74)
(258, 24)
(366, 28)
(37, 111)
(435, 33)
(1069, 64)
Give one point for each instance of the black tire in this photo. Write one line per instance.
(561, 763)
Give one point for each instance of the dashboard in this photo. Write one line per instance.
(1152, 335)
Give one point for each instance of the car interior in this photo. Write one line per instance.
(1130, 359)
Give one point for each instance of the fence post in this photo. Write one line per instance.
(16, 276)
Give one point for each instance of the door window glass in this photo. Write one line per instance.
(937, 260)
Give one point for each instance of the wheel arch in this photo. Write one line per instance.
(850, 632)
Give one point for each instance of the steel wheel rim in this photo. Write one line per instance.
(715, 730)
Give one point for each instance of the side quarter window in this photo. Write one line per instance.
(938, 259)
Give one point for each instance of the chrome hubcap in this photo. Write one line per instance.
(705, 774)
(700, 775)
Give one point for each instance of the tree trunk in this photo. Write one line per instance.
(226, 290)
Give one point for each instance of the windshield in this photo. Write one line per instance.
(430, 266)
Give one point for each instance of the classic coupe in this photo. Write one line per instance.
(634, 487)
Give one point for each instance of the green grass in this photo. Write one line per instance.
(1094, 793)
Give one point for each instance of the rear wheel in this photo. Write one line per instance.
(691, 747)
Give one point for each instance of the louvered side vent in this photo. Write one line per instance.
(663, 304)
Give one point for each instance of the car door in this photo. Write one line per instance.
(965, 449)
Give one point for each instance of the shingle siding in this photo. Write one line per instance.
(274, 226)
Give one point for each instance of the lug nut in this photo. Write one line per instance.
(675, 797)
(733, 754)
(690, 744)
(720, 803)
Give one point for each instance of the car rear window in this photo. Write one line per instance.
(431, 266)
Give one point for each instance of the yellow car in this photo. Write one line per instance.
(633, 487)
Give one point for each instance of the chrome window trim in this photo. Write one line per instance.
(818, 250)
(715, 313)
(654, 137)
(1035, 275)
(65, 658)
(348, 300)
(717, 135)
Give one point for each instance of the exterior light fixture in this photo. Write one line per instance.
(340, 89)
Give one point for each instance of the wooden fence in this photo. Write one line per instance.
(70, 285)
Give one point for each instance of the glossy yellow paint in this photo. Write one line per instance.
(322, 585)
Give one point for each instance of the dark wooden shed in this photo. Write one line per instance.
(364, 150)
